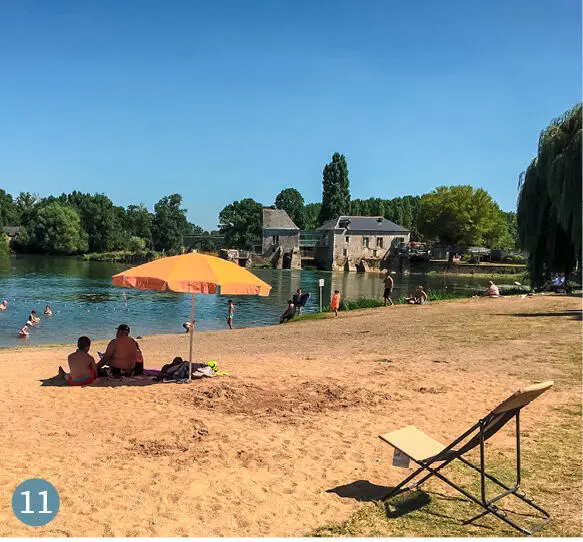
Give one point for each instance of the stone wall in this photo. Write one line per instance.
(288, 240)
(350, 253)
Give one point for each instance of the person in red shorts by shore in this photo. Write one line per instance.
(335, 303)
(81, 365)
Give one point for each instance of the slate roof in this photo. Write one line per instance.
(11, 231)
(375, 224)
(277, 219)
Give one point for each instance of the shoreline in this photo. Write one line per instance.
(306, 317)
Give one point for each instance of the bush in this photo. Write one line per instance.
(136, 244)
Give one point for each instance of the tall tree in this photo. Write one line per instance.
(58, 230)
(169, 223)
(311, 213)
(335, 189)
(292, 202)
(550, 200)
(240, 222)
(459, 215)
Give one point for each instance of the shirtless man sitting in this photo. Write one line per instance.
(81, 365)
(121, 354)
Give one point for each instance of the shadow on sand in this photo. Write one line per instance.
(365, 491)
(575, 314)
(58, 382)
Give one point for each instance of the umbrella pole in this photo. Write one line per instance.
(191, 338)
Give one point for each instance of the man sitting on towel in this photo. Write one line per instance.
(81, 365)
(122, 353)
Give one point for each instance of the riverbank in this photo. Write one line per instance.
(255, 453)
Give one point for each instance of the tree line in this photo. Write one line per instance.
(78, 223)
(452, 216)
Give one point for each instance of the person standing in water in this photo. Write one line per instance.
(230, 314)
(48, 310)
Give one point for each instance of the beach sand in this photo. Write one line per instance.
(254, 453)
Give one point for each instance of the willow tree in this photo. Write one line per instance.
(549, 201)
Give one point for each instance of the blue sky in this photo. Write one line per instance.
(223, 100)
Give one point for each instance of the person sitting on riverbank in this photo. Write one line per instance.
(122, 354)
(187, 326)
(82, 368)
(48, 310)
(418, 298)
(289, 313)
(3, 305)
(491, 291)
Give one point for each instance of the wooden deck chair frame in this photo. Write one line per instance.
(415, 444)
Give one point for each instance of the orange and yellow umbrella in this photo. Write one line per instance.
(193, 273)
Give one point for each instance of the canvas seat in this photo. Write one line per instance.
(432, 456)
(414, 443)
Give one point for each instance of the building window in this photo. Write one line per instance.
(347, 239)
(379, 242)
(365, 242)
(344, 252)
(374, 253)
(275, 239)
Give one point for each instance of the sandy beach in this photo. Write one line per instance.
(253, 453)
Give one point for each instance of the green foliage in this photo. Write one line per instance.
(292, 202)
(549, 202)
(335, 189)
(311, 212)
(138, 222)
(9, 215)
(169, 224)
(136, 244)
(240, 222)
(100, 219)
(58, 230)
(3, 244)
(402, 211)
(460, 215)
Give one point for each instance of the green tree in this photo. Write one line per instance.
(459, 215)
(292, 202)
(240, 222)
(550, 199)
(138, 222)
(335, 189)
(27, 205)
(103, 222)
(58, 230)
(169, 223)
(311, 213)
(9, 215)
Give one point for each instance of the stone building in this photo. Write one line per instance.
(278, 230)
(348, 243)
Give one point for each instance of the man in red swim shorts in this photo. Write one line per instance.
(81, 365)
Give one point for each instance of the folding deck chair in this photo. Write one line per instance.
(432, 456)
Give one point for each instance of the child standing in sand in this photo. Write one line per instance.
(335, 303)
(230, 314)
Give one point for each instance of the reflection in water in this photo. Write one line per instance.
(84, 301)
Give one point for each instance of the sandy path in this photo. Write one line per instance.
(253, 453)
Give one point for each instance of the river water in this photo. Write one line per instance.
(85, 302)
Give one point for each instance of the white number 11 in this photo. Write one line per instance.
(27, 509)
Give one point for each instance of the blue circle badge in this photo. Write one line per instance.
(35, 502)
